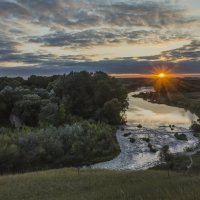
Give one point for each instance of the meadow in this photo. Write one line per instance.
(66, 184)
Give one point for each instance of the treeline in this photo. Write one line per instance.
(28, 149)
(133, 84)
(59, 121)
(59, 100)
(176, 85)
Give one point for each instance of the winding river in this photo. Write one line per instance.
(155, 120)
(152, 115)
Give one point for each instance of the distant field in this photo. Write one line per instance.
(66, 184)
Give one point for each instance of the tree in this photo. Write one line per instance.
(28, 109)
(37, 81)
(112, 112)
(48, 114)
(78, 95)
(102, 92)
(62, 115)
(8, 98)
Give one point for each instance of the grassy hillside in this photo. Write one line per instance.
(102, 185)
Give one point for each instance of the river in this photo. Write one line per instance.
(152, 115)
(155, 120)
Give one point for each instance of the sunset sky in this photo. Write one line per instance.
(116, 36)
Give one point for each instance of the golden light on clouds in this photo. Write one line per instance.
(106, 51)
(15, 64)
(124, 49)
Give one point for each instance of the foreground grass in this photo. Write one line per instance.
(66, 184)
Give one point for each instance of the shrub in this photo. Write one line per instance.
(132, 140)
(181, 136)
(189, 149)
(152, 149)
(69, 145)
(127, 134)
(146, 139)
(139, 126)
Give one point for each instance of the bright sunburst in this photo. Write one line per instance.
(161, 75)
(161, 72)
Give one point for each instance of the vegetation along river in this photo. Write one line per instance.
(160, 124)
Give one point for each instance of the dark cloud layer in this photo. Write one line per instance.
(12, 8)
(7, 46)
(95, 13)
(123, 66)
(90, 37)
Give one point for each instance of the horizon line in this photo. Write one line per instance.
(137, 75)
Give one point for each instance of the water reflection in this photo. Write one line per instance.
(154, 115)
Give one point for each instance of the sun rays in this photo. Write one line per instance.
(164, 83)
(167, 84)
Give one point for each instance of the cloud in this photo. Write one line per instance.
(89, 37)
(86, 13)
(41, 60)
(189, 52)
(53, 34)
(83, 23)
(7, 46)
(9, 8)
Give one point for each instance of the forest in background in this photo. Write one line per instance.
(59, 121)
(56, 100)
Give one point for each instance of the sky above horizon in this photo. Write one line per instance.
(116, 36)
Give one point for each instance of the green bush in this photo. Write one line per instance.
(181, 136)
(132, 140)
(146, 139)
(69, 145)
(139, 126)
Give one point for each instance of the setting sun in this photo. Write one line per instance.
(162, 75)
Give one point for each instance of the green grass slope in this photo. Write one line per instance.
(66, 184)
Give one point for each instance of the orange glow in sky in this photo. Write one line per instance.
(134, 75)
